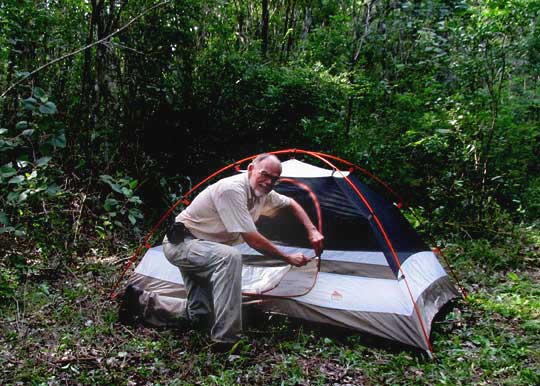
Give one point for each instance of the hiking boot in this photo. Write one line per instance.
(130, 311)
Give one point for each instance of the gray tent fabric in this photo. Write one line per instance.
(358, 287)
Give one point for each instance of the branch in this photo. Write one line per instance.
(85, 47)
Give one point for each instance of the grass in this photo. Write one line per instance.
(63, 330)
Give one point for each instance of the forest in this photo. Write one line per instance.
(110, 110)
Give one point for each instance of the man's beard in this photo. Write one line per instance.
(259, 192)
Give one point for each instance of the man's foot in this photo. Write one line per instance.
(131, 311)
(202, 322)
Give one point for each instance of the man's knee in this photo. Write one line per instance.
(172, 252)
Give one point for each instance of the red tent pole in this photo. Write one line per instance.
(318, 211)
(388, 242)
(183, 199)
(400, 204)
(367, 173)
(320, 156)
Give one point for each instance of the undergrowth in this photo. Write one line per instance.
(62, 329)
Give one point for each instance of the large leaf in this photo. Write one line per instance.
(127, 192)
(4, 220)
(109, 180)
(53, 190)
(43, 161)
(22, 125)
(110, 204)
(59, 141)
(30, 104)
(48, 108)
(132, 219)
(3, 131)
(16, 180)
(13, 196)
(7, 171)
(23, 196)
(41, 94)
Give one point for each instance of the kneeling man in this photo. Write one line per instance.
(221, 216)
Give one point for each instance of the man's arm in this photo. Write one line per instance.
(260, 243)
(314, 236)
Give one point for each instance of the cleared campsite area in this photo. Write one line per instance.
(63, 329)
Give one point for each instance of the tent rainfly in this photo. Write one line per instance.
(376, 275)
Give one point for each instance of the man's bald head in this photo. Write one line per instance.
(268, 160)
(263, 173)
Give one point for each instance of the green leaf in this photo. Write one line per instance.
(13, 196)
(135, 200)
(117, 188)
(40, 93)
(22, 125)
(127, 192)
(110, 181)
(23, 196)
(30, 104)
(43, 161)
(443, 131)
(52, 190)
(6, 229)
(106, 178)
(59, 141)
(7, 171)
(109, 204)
(513, 276)
(32, 175)
(3, 131)
(4, 220)
(16, 180)
(28, 132)
(48, 108)
(132, 219)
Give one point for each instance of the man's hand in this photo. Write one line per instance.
(297, 259)
(314, 236)
(316, 239)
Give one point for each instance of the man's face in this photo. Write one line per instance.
(264, 175)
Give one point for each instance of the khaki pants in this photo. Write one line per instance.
(212, 274)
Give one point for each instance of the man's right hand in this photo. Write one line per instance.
(297, 259)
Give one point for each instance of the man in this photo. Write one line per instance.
(222, 215)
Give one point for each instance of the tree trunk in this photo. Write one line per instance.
(358, 43)
(264, 28)
(306, 26)
(291, 27)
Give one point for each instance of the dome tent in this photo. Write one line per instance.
(375, 275)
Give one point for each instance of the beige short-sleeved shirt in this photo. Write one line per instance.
(227, 208)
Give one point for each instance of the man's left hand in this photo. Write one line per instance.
(316, 239)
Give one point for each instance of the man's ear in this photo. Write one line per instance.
(250, 167)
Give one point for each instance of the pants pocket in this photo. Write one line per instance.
(176, 253)
(196, 256)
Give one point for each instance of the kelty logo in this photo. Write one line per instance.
(336, 296)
